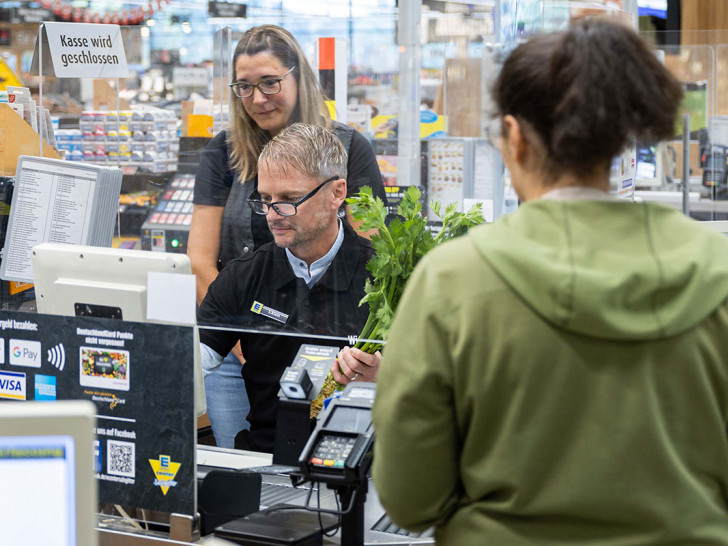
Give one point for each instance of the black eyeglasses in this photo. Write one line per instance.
(285, 208)
(269, 86)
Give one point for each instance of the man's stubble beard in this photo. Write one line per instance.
(311, 232)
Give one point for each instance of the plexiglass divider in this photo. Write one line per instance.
(695, 67)
(418, 65)
(222, 75)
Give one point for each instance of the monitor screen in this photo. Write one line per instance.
(46, 471)
(646, 162)
(28, 465)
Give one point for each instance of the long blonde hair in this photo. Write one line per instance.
(246, 140)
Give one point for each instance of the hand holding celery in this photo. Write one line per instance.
(399, 246)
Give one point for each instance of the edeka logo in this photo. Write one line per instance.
(165, 471)
(45, 388)
(25, 353)
(12, 385)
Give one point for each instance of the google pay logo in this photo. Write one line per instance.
(25, 353)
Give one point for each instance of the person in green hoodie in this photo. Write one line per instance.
(560, 376)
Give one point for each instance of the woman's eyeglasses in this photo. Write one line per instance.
(269, 86)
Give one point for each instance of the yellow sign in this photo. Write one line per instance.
(199, 125)
(18, 287)
(331, 106)
(8, 77)
(314, 358)
(431, 124)
(165, 470)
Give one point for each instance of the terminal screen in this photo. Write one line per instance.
(348, 419)
(38, 503)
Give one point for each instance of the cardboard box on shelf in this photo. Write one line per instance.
(105, 97)
(18, 138)
(197, 118)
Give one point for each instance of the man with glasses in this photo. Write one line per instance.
(309, 280)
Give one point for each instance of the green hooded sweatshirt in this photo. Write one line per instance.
(561, 377)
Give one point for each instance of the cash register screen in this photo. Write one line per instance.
(38, 505)
(348, 419)
(48, 494)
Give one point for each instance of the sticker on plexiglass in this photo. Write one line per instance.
(104, 368)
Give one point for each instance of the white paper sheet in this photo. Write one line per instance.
(171, 298)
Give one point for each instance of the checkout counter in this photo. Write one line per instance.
(328, 489)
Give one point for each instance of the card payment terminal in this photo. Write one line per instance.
(339, 450)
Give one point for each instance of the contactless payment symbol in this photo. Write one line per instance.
(257, 307)
(165, 470)
(57, 356)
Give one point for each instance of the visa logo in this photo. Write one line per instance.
(25, 353)
(12, 385)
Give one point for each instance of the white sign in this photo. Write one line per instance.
(171, 298)
(12, 385)
(25, 353)
(624, 169)
(190, 77)
(85, 50)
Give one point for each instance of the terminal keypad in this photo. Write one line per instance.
(332, 451)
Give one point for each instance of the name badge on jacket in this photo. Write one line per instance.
(268, 312)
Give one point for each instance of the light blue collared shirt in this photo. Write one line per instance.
(313, 274)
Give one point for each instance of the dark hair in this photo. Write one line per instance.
(585, 92)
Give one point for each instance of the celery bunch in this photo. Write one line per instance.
(399, 246)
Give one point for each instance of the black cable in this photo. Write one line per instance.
(338, 511)
(317, 510)
(318, 513)
(307, 505)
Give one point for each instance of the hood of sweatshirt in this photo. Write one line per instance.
(609, 269)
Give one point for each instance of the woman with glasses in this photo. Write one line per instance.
(272, 86)
(562, 373)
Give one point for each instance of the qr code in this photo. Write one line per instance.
(120, 458)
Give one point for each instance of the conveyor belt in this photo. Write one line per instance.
(385, 525)
(271, 494)
(278, 489)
